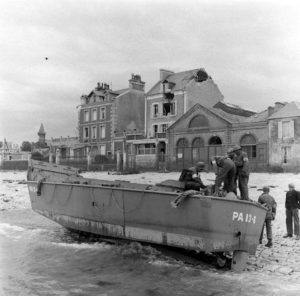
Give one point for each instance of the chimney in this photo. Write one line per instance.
(279, 105)
(270, 111)
(164, 73)
(136, 83)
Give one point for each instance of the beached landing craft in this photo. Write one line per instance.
(121, 209)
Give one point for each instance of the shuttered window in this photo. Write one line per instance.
(288, 129)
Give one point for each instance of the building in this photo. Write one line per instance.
(204, 132)
(284, 135)
(42, 136)
(171, 97)
(67, 146)
(106, 116)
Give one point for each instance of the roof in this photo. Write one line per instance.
(261, 116)
(289, 110)
(120, 91)
(101, 92)
(233, 109)
(232, 118)
(41, 130)
(229, 118)
(180, 80)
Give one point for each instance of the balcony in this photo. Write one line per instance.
(160, 135)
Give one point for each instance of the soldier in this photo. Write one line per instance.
(242, 167)
(267, 200)
(233, 157)
(191, 177)
(226, 174)
(292, 204)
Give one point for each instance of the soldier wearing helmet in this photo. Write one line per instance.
(225, 174)
(191, 177)
(242, 167)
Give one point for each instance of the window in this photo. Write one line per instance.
(94, 114)
(181, 146)
(86, 115)
(102, 113)
(146, 149)
(215, 140)
(94, 132)
(155, 130)
(199, 121)
(248, 144)
(164, 127)
(286, 152)
(169, 109)
(155, 110)
(102, 131)
(288, 129)
(102, 149)
(198, 151)
(86, 132)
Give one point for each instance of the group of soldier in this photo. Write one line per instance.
(232, 170)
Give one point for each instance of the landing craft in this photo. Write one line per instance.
(140, 212)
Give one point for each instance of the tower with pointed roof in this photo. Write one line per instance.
(42, 135)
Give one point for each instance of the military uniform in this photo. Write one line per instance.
(226, 173)
(292, 204)
(243, 172)
(192, 179)
(269, 201)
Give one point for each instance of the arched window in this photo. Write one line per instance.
(248, 144)
(181, 143)
(199, 121)
(181, 150)
(198, 152)
(215, 140)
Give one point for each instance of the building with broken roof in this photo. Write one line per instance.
(106, 116)
(171, 97)
(284, 135)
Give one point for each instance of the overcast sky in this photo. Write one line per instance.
(250, 48)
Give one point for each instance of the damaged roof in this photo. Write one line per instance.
(180, 80)
(234, 109)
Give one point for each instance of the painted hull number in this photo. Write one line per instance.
(243, 217)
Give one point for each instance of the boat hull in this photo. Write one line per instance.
(201, 223)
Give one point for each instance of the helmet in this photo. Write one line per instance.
(200, 165)
(230, 150)
(236, 148)
(266, 189)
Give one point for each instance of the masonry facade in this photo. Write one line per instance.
(171, 97)
(204, 132)
(107, 116)
(284, 136)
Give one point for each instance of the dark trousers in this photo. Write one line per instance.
(243, 186)
(292, 214)
(268, 223)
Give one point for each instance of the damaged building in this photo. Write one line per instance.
(166, 102)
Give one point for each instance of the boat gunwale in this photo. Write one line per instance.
(150, 191)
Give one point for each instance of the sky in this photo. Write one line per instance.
(251, 49)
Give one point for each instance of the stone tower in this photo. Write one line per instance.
(42, 135)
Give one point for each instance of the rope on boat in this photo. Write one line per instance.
(39, 186)
(182, 197)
